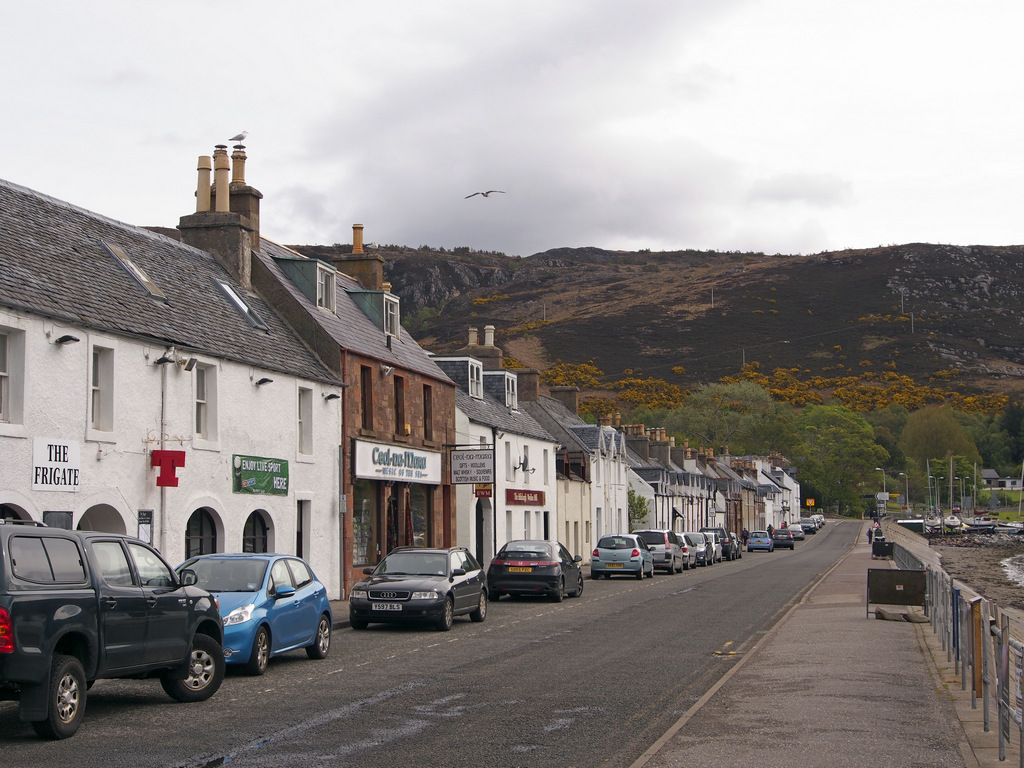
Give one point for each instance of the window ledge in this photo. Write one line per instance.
(12, 430)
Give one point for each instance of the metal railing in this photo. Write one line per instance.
(975, 635)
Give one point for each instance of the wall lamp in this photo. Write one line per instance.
(331, 396)
(264, 380)
(67, 338)
(188, 363)
(387, 370)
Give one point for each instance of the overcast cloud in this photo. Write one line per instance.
(789, 126)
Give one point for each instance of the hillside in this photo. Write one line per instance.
(941, 315)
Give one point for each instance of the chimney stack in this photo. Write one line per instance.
(567, 396)
(367, 268)
(527, 384)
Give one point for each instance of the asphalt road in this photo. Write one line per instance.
(586, 682)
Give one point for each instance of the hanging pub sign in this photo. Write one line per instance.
(56, 465)
(260, 476)
(399, 463)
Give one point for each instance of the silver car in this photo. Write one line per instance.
(621, 553)
(665, 549)
(702, 547)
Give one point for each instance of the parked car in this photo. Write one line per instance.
(819, 519)
(809, 525)
(81, 606)
(688, 547)
(665, 549)
(621, 553)
(781, 537)
(532, 567)
(797, 531)
(737, 547)
(760, 540)
(271, 604)
(701, 544)
(416, 584)
(714, 543)
(724, 541)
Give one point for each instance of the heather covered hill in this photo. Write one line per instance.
(938, 316)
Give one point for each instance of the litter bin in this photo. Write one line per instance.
(880, 547)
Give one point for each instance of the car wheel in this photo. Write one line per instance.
(579, 586)
(357, 623)
(559, 593)
(322, 644)
(259, 657)
(481, 609)
(444, 623)
(640, 573)
(65, 699)
(205, 672)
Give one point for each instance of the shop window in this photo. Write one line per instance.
(420, 498)
(365, 526)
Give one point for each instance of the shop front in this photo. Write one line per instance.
(395, 501)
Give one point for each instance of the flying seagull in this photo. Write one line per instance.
(240, 137)
(488, 193)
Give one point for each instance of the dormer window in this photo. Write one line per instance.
(511, 392)
(325, 289)
(392, 323)
(476, 379)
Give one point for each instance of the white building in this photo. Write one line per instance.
(144, 389)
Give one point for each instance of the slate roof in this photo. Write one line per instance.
(52, 264)
(490, 412)
(555, 418)
(349, 326)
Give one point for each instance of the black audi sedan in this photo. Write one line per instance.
(532, 567)
(415, 584)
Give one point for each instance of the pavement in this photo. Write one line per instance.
(827, 686)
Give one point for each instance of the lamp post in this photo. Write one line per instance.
(906, 498)
(885, 497)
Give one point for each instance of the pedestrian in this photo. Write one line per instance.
(745, 535)
(770, 530)
(871, 533)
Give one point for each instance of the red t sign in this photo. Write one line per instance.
(168, 461)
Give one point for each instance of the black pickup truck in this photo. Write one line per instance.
(78, 606)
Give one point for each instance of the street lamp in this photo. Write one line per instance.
(885, 496)
(906, 498)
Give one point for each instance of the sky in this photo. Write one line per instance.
(781, 126)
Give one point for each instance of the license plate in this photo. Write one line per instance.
(614, 565)
(387, 606)
(519, 569)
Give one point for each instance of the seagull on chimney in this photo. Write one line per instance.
(488, 193)
(239, 137)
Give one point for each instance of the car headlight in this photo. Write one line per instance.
(424, 596)
(359, 594)
(239, 615)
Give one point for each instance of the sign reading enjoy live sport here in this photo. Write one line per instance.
(260, 476)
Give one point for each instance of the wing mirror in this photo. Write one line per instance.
(285, 590)
(188, 577)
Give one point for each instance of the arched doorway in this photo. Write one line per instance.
(200, 534)
(11, 512)
(102, 517)
(255, 534)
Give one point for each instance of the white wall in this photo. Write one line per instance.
(115, 471)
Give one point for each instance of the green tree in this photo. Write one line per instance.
(638, 510)
(933, 433)
(837, 451)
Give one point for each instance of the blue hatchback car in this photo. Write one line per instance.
(271, 604)
(757, 540)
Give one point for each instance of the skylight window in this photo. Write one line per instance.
(134, 270)
(243, 306)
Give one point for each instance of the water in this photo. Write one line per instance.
(1013, 567)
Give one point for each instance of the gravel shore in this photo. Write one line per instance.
(975, 559)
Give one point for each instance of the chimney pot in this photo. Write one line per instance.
(488, 335)
(474, 337)
(205, 168)
(221, 168)
(357, 238)
(238, 166)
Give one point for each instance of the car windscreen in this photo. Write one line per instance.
(615, 542)
(215, 574)
(695, 541)
(535, 553)
(652, 537)
(413, 564)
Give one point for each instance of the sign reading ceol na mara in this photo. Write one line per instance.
(261, 476)
(375, 461)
